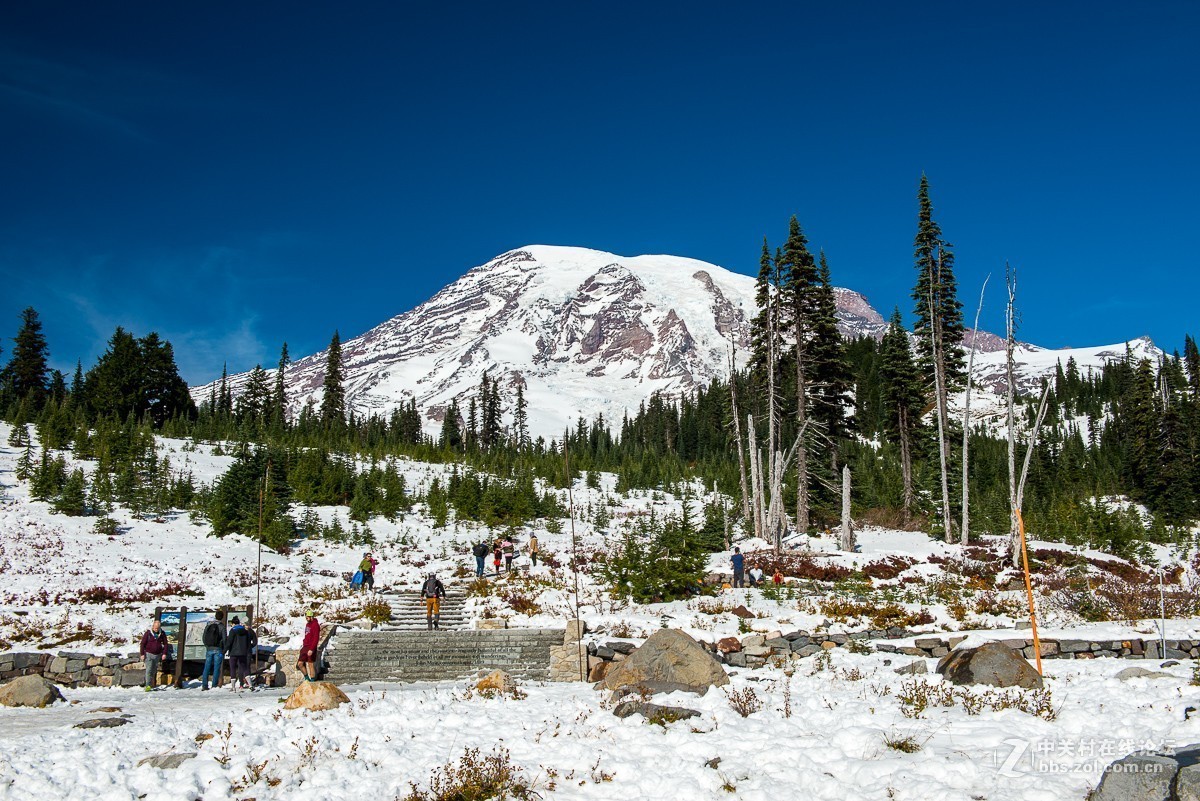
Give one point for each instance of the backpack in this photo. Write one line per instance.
(480, 550)
(357, 580)
(430, 590)
(212, 635)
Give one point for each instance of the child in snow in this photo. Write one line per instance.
(497, 555)
(508, 549)
(307, 663)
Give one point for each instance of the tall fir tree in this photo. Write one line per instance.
(904, 399)
(333, 403)
(937, 310)
(279, 399)
(27, 371)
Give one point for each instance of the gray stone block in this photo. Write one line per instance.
(1137, 777)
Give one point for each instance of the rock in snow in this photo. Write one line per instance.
(32, 691)
(669, 660)
(316, 696)
(993, 664)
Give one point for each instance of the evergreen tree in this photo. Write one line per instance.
(521, 418)
(279, 400)
(162, 393)
(26, 373)
(254, 403)
(77, 395)
(57, 390)
(72, 501)
(333, 403)
(938, 312)
(904, 400)
(829, 372)
(451, 437)
(234, 506)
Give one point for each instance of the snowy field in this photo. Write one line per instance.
(833, 745)
(844, 728)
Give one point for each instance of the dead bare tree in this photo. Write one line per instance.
(1010, 329)
(966, 446)
(737, 428)
(939, 388)
(847, 538)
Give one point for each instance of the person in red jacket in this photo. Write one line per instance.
(307, 663)
(153, 650)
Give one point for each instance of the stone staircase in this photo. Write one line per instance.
(358, 656)
(408, 610)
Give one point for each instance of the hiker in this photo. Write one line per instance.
(777, 578)
(533, 549)
(367, 568)
(739, 568)
(508, 549)
(240, 642)
(153, 650)
(432, 591)
(307, 662)
(214, 657)
(756, 576)
(480, 552)
(497, 555)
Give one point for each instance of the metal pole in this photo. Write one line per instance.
(1037, 643)
(262, 491)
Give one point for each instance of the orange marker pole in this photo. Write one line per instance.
(1037, 643)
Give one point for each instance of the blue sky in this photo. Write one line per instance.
(237, 175)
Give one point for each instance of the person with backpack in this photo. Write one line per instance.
(480, 552)
(240, 642)
(533, 549)
(739, 568)
(367, 568)
(433, 592)
(307, 662)
(153, 650)
(214, 657)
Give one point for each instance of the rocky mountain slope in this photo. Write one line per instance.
(583, 331)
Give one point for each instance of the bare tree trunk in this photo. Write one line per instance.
(756, 479)
(802, 521)
(906, 465)
(847, 539)
(939, 389)
(737, 433)
(1033, 438)
(966, 449)
(1010, 327)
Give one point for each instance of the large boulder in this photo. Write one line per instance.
(1173, 776)
(993, 664)
(669, 660)
(32, 691)
(316, 696)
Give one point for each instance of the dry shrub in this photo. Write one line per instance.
(888, 568)
(796, 566)
(881, 616)
(744, 701)
(991, 603)
(377, 610)
(475, 777)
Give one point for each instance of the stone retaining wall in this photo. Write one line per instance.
(754, 650)
(72, 669)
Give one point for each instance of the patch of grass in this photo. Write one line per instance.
(476, 777)
(906, 744)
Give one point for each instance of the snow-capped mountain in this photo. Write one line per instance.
(583, 331)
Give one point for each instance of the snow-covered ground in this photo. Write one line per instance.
(833, 744)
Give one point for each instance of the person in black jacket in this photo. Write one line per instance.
(240, 642)
(214, 657)
(480, 552)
